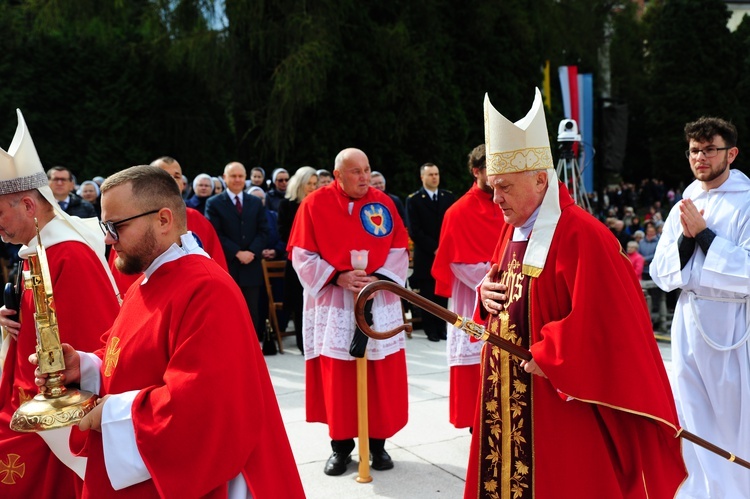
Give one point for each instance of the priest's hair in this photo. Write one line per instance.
(153, 188)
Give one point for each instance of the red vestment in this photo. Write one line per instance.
(470, 231)
(325, 226)
(591, 335)
(206, 410)
(86, 306)
(198, 225)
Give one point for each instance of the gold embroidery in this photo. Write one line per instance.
(520, 160)
(113, 355)
(10, 468)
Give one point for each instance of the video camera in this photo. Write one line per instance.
(567, 135)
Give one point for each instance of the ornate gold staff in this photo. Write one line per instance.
(58, 406)
(477, 331)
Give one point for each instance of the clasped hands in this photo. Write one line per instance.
(71, 374)
(354, 280)
(691, 219)
(494, 296)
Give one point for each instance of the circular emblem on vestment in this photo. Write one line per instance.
(376, 219)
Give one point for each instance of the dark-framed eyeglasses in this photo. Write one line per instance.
(110, 228)
(709, 152)
(282, 180)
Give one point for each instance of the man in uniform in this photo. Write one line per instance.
(592, 413)
(470, 231)
(86, 304)
(425, 210)
(331, 278)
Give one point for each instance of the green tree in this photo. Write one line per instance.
(692, 69)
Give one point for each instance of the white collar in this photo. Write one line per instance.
(522, 233)
(188, 246)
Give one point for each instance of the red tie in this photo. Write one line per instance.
(238, 204)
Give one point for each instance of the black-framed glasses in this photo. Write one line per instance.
(709, 152)
(110, 228)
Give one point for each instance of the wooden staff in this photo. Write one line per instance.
(363, 432)
(479, 332)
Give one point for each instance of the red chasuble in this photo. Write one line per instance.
(470, 231)
(86, 306)
(198, 225)
(591, 334)
(206, 410)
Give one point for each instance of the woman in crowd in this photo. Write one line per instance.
(89, 191)
(303, 182)
(218, 185)
(203, 188)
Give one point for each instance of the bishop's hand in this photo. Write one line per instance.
(492, 293)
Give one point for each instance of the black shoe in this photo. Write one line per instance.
(381, 460)
(433, 337)
(336, 464)
(443, 335)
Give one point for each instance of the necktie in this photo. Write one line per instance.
(238, 204)
(435, 197)
(63, 205)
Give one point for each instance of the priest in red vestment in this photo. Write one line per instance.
(85, 302)
(469, 233)
(592, 414)
(331, 222)
(196, 223)
(187, 407)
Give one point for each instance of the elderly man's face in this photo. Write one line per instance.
(354, 175)
(234, 177)
(518, 194)
(15, 226)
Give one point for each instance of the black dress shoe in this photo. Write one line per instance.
(443, 335)
(336, 464)
(433, 337)
(381, 460)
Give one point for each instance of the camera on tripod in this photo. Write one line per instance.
(567, 135)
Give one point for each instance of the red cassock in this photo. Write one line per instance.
(86, 306)
(325, 225)
(198, 225)
(206, 410)
(591, 335)
(469, 234)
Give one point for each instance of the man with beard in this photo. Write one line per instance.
(704, 250)
(470, 231)
(86, 304)
(197, 224)
(161, 363)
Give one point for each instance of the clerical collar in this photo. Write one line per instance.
(188, 246)
(523, 232)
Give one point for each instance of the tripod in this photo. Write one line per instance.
(569, 174)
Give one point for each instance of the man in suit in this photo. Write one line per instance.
(240, 221)
(61, 183)
(424, 211)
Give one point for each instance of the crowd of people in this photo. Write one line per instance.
(180, 260)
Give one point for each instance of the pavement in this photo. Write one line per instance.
(429, 454)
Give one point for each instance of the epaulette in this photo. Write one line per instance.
(412, 194)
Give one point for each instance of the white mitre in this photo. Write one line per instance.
(523, 146)
(21, 170)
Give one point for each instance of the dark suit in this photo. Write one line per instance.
(247, 231)
(425, 217)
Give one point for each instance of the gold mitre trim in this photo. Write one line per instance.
(520, 146)
(20, 167)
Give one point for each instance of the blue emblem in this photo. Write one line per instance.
(376, 219)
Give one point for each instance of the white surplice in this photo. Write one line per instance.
(710, 347)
